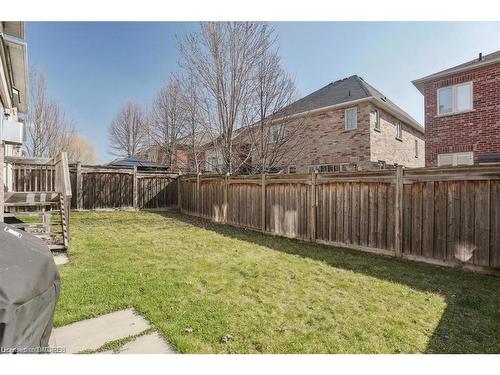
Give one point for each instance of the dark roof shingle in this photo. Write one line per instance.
(342, 91)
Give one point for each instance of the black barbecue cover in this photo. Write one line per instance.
(29, 289)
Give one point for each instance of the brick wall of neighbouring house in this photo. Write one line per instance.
(386, 147)
(324, 140)
(477, 130)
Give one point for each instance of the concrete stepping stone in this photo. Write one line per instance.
(91, 334)
(147, 344)
(60, 259)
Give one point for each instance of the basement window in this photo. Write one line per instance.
(457, 158)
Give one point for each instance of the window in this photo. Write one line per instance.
(454, 99)
(445, 100)
(416, 148)
(292, 169)
(464, 97)
(278, 133)
(377, 120)
(324, 168)
(351, 118)
(458, 158)
(399, 131)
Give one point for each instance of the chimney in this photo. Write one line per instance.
(480, 56)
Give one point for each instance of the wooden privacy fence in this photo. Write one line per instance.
(98, 187)
(444, 216)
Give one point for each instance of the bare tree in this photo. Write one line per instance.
(221, 60)
(79, 149)
(194, 122)
(167, 123)
(273, 136)
(128, 130)
(47, 124)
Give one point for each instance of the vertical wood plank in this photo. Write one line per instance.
(467, 199)
(416, 225)
(339, 205)
(428, 221)
(372, 215)
(440, 221)
(495, 224)
(347, 213)
(312, 215)
(398, 212)
(482, 223)
(382, 216)
(363, 215)
(355, 213)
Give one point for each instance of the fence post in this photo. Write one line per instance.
(312, 215)
(263, 203)
(79, 185)
(398, 213)
(134, 189)
(225, 203)
(2, 194)
(179, 201)
(198, 193)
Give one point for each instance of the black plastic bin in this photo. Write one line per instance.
(29, 289)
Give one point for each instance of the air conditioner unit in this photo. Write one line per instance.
(11, 131)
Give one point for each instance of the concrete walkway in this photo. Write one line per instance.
(91, 334)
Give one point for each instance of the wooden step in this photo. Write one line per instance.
(34, 225)
(31, 213)
(57, 247)
(29, 204)
(31, 197)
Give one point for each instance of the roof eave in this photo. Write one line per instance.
(419, 83)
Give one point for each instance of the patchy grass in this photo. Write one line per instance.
(270, 294)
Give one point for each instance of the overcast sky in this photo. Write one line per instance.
(93, 67)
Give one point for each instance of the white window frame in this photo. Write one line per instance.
(355, 109)
(341, 167)
(281, 133)
(454, 99)
(399, 130)
(377, 120)
(292, 166)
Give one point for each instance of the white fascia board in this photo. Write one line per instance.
(419, 83)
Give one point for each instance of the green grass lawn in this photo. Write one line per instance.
(270, 294)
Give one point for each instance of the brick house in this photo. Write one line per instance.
(462, 113)
(189, 153)
(347, 125)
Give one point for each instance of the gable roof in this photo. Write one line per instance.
(341, 93)
(485, 60)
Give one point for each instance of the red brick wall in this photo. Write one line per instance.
(477, 130)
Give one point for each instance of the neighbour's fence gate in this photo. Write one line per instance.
(104, 187)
